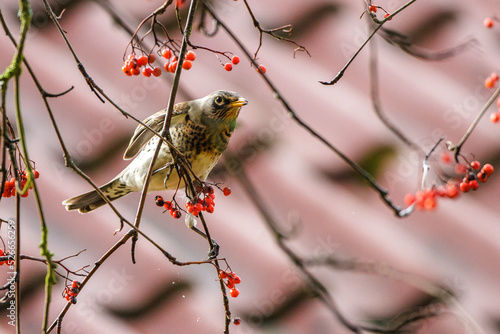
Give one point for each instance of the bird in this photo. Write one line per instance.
(200, 130)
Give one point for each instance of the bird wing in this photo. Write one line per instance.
(142, 135)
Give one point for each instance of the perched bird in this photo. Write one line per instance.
(199, 129)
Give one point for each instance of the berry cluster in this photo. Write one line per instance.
(474, 174)
(8, 262)
(490, 81)
(132, 65)
(71, 291)
(234, 61)
(9, 188)
(230, 280)
(427, 199)
(170, 206)
(171, 64)
(373, 9)
(204, 201)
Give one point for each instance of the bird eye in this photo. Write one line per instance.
(219, 100)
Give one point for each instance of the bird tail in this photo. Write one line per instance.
(91, 200)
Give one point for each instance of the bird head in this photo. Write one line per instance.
(219, 108)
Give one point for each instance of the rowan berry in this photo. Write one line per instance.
(198, 207)
(235, 60)
(166, 53)
(237, 279)
(147, 71)
(488, 22)
(475, 165)
(489, 82)
(387, 15)
(494, 76)
(473, 184)
(226, 191)
(159, 201)
(210, 209)
(464, 186)
(236, 321)
(488, 169)
(262, 69)
(494, 117)
(190, 55)
(187, 64)
(36, 173)
(372, 9)
(222, 274)
(135, 71)
(172, 67)
(409, 199)
(451, 190)
(168, 205)
(157, 71)
(228, 67)
(230, 284)
(176, 214)
(481, 176)
(234, 293)
(151, 58)
(142, 60)
(445, 157)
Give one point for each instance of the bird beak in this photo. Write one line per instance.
(239, 102)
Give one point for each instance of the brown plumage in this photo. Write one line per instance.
(200, 129)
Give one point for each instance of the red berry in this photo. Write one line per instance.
(464, 186)
(190, 55)
(445, 157)
(159, 201)
(372, 9)
(151, 58)
(235, 60)
(75, 284)
(135, 71)
(234, 293)
(451, 190)
(142, 60)
(168, 205)
(172, 66)
(222, 274)
(226, 191)
(187, 64)
(166, 53)
(409, 199)
(387, 15)
(1, 252)
(228, 67)
(494, 76)
(157, 71)
(429, 203)
(494, 117)
(489, 82)
(475, 165)
(236, 321)
(198, 207)
(488, 22)
(177, 214)
(237, 279)
(262, 69)
(481, 176)
(473, 184)
(230, 283)
(488, 169)
(210, 209)
(147, 71)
